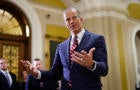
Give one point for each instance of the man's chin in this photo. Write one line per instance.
(73, 29)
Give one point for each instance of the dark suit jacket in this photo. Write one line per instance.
(81, 77)
(4, 83)
(35, 84)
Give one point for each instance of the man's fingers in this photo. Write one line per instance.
(27, 62)
(76, 59)
(23, 63)
(78, 54)
(29, 67)
(84, 53)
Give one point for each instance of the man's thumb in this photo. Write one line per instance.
(91, 51)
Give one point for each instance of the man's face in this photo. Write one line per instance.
(3, 64)
(37, 64)
(73, 21)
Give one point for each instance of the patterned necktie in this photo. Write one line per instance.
(8, 78)
(74, 46)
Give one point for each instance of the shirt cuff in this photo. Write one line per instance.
(94, 67)
(39, 75)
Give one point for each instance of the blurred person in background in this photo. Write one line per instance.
(23, 83)
(7, 79)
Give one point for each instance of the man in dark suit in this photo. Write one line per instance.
(7, 82)
(82, 62)
(35, 84)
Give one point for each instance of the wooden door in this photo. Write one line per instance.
(13, 52)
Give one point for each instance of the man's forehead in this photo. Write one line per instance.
(37, 61)
(69, 15)
(3, 61)
(70, 12)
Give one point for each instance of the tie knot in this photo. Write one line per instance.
(75, 37)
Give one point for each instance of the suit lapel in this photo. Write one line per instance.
(68, 51)
(83, 42)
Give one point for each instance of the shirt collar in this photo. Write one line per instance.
(80, 34)
(4, 71)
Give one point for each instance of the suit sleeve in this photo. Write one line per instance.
(28, 83)
(56, 71)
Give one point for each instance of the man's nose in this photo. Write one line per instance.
(71, 20)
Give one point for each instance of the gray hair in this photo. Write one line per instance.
(71, 9)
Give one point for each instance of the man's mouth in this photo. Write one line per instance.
(72, 26)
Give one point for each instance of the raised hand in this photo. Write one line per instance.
(83, 58)
(29, 68)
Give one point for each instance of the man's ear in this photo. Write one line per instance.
(81, 19)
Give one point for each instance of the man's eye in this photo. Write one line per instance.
(67, 19)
